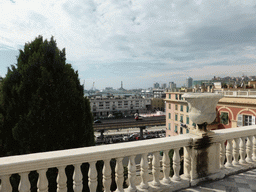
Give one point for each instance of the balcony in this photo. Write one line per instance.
(221, 153)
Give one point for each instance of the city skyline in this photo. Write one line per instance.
(137, 42)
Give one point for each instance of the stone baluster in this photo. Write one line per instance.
(242, 151)
(61, 180)
(249, 149)
(166, 167)
(156, 168)
(42, 183)
(229, 153)
(254, 148)
(236, 151)
(187, 162)
(24, 185)
(92, 177)
(5, 184)
(176, 165)
(119, 175)
(131, 174)
(150, 160)
(77, 178)
(144, 171)
(222, 154)
(107, 175)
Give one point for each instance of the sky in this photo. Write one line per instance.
(139, 42)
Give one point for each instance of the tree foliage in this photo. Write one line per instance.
(43, 107)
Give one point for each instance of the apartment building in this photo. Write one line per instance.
(233, 110)
(177, 119)
(102, 106)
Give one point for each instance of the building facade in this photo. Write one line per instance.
(231, 111)
(104, 106)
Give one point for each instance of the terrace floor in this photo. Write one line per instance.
(242, 182)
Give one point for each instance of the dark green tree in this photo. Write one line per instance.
(42, 103)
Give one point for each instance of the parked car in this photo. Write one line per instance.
(97, 121)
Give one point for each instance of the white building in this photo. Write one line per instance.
(103, 106)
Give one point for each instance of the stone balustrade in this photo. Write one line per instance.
(211, 156)
(231, 93)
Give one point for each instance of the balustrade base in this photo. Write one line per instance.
(214, 176)
(175, 185)
(149, 189)
(238, 168)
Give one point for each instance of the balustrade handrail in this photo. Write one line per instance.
(30, 162)
(237, 132)
(237, 93)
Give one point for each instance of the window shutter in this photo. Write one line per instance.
(253, 120)
(240, 120)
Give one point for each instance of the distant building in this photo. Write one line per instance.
(158, 104)
(164, 86)
(172, 85)
(158, 93)
(103, 106)
(156, 85)
(147, 93)
(121, 88)
(189, 82)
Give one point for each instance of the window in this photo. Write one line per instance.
(194, 125)
(224, 118)
(181, 107)
(181, 130)
(170, 106)
(176, 107)
(176, 127)
(248, 120)
(187, 131)
(169, 115)
(169, 126)
(187, 122)
(176, 96)
(187, 109)
(101, 105)
(181, 118)
(179, 97)
(176, 117)
(169, 96)
(245, 120)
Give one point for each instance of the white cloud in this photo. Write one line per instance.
(187, 34)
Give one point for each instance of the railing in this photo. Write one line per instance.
(237, 93)
(239, 153)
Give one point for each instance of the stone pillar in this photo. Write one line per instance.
(205, 162)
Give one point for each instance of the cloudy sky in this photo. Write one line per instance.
(138, 42)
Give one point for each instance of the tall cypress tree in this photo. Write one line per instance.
(43, 107)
